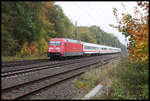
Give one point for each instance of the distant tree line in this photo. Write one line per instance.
(27, 27)
(95, 34)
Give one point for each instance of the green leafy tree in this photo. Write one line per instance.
(86, 35)
(62, 25)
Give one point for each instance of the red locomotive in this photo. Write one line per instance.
(62, 47)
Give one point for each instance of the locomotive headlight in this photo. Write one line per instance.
(58, 48)
(51, 48)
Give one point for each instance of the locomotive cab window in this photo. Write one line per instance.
(57, 43)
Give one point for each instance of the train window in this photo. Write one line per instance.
(91, 47)
(87, 47)
(73, 41)
(104, 48)
(57, 43)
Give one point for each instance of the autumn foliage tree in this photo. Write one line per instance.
(27, 23)
(25, 49)
(33, 48)
(42, 46)
(136, 29)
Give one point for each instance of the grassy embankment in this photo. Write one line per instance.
(120, 79)
(102, 75)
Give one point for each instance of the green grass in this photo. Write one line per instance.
(21, 58)
(121, 80)
(92, 78)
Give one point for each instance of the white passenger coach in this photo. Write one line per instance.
(90, 48)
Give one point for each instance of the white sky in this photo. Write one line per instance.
(97, 13)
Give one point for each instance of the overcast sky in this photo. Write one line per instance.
(97, 13)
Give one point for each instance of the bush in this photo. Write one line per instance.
(132, 81)
(42, 46)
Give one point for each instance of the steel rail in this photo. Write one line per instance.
(73, 72)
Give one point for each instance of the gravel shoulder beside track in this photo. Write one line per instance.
(63, 90)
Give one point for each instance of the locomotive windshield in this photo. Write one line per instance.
(57, 43)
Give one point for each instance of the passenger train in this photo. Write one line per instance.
(62, 47)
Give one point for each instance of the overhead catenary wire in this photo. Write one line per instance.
(89, 15)
(94, 9)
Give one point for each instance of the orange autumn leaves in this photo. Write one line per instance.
(29, 49)
(136, 29)
(34, 48)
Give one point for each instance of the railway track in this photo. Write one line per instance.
(42, 78)
(25, 62)
(35, 67)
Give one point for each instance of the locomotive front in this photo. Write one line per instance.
(55, 48)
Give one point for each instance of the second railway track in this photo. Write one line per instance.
(14, 89)
(36, 67)
(19, 63)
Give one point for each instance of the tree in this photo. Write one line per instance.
(9, 43)
(136, 28)
(62, 25)
(85, 35)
